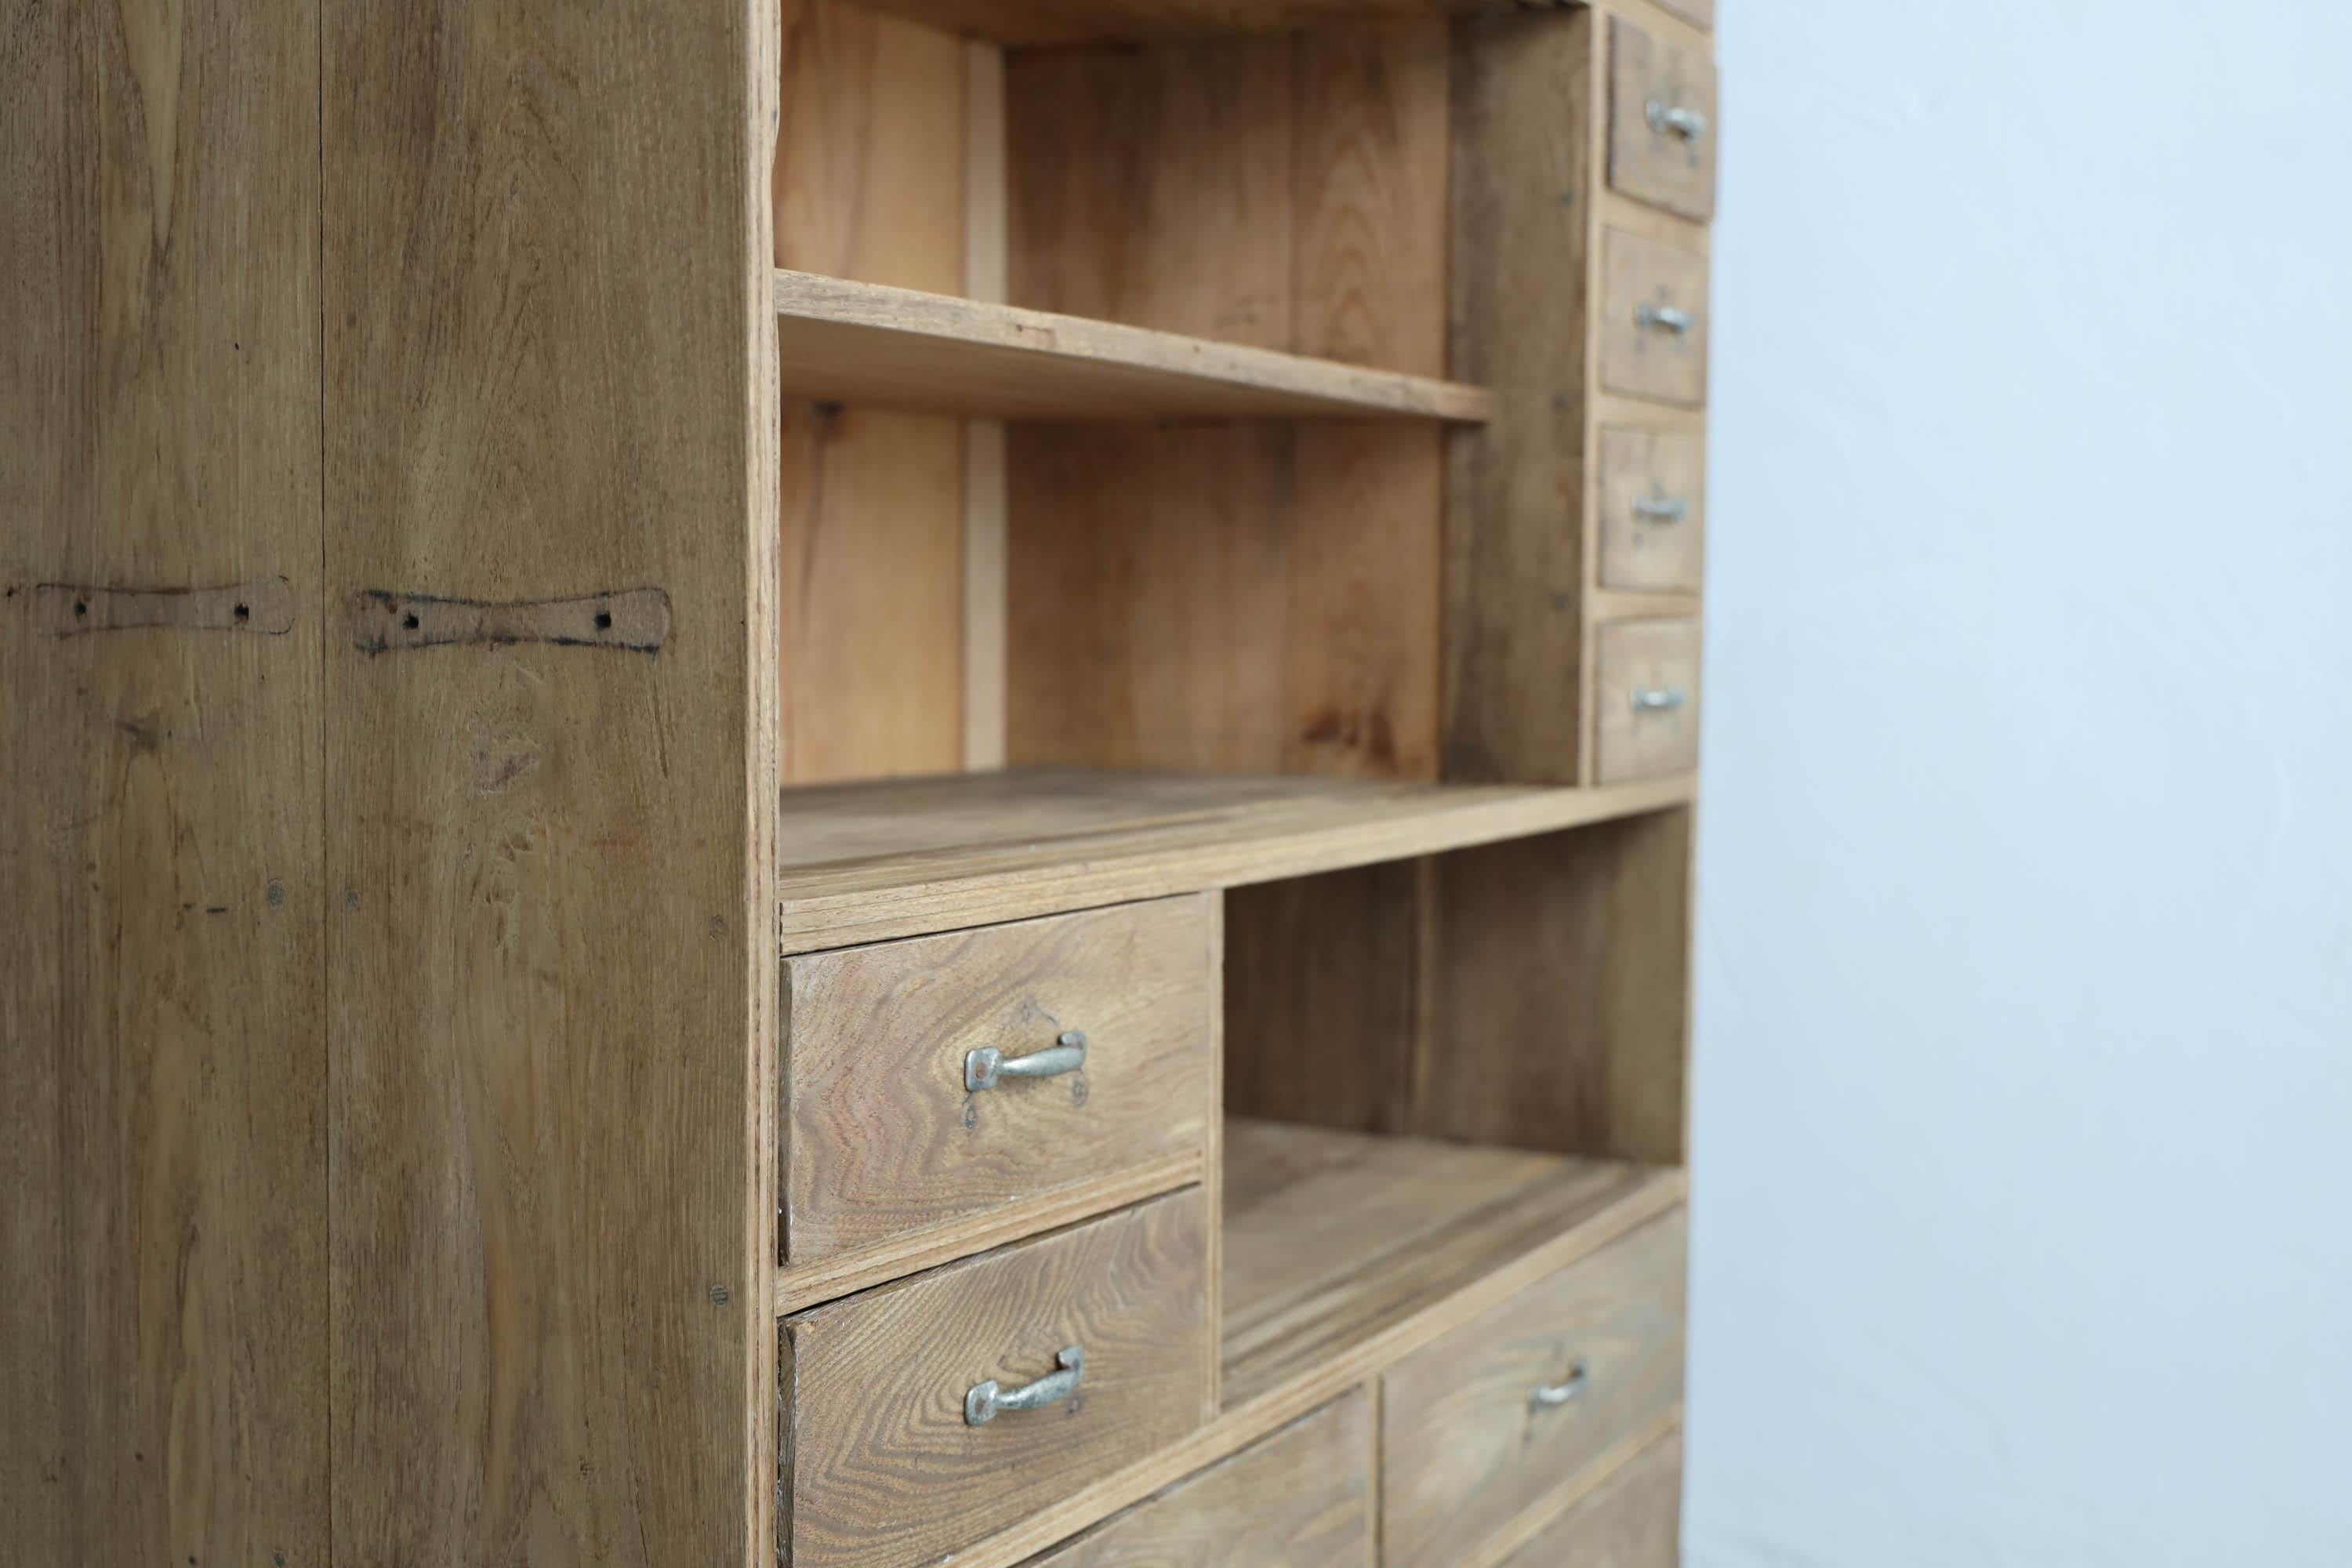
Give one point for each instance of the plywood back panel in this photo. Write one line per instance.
(552, 978)
(164, 1331)
(870, 184)
(1256, 596)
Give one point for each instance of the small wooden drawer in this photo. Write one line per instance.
(1299, 1499)
(891, 1456)
(1654, 319)
(884, 1134)
(1482, 1424)
(1632, 1520)
(1661, 125)
(1646, 681)
(1652, 511)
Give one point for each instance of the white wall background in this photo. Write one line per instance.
(2023, 1143)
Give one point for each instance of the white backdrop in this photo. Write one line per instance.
(2023, 1121)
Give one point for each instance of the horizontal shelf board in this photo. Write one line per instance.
(1337, 1243)
(840, 341)
(868, 862)
(1344, 1252)
(1032, 22)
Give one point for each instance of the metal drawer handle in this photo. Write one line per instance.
(1552, 1395)
(1661, 509)
(984, 1068)
(1659, 700)
(985, 1399)
(1672, 120)
(1664, 319)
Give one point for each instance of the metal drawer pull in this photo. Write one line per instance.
(982, 1405)
(1661, 509)
(1659, 700)
(1665, 318)
(1673, 120)
(1552, 1395)
(984, 1068)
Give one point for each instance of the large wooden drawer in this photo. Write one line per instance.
(1632, 1520)
(1653, 336)
(1646, 679)
(1652, 511)
(1484, 1423)
(1661, 128)
(1299, 1499)
(884, 1463)
(886, 1135)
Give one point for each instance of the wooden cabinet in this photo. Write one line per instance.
(744, 716)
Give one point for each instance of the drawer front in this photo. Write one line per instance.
(1662, 123)
(883, 1135)
(1652, 511)
(884, 1464)
(1654, 321)
(1300, 1498)
(1646, 681)
(1485, 1423)
(1633, 1519)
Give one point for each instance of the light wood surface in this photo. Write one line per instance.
(1663, 167)
(898, 348)
(1557, 984)
(164, 1331)
(1515, 533)
(1646, 361)
(1641, 552)
(871, 184)
(869, 862)
(1632, 1520)
(883, 1141)
(1634, 741)
(1697, 13)
(1039, 22)
(1299, 1499)
(1463, 1447)
(1333, 1240)
(549, 1037)
(883, 1468)
(986, 196)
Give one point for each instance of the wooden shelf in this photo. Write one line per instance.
(841, 342)
(1024, 23)
(1344, 1251)
(868, 862)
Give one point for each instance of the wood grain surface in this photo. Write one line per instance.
(1463, 1448)
(1299, 1499)
(1040, 22)
(883, 1139)
(870, 184)
(1632, 1520)
(1633, 741)
(1643, 361)
(1641, 552)
(869, 862)
(163, 1329)
(1515, 537)
(552, 1023)
(1661, 167)
(875, 1386)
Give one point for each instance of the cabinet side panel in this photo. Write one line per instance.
(549, 473)
(163, 1154)
(1515, 547)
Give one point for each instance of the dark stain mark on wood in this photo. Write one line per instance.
(76, 609)
(634, 621)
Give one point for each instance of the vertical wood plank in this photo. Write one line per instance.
(545, 936)
(870, 184)
(1525, 94)
(162, 1143)
(985, 255)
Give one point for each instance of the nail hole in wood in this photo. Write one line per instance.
(410, 620)
(81, 607)
(603, 620)
(244, 612)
